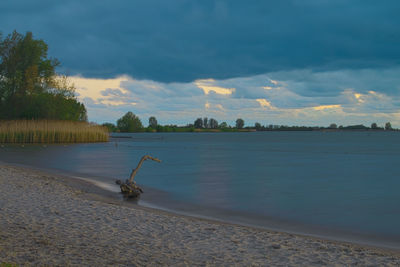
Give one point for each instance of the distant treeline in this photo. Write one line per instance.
(131, 123)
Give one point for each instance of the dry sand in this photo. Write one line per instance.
(45, 220)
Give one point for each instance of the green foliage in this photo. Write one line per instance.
(355, 127)
(29, 85)
(333, 126)
(5, 264)
(198, 123)
(388, 126)
(205, 123)
(130, 120)
(153, 122)
(239, 123)
(223, 125)
(213, 123)
(228, 129)
(129, 123)
(110, 127)
(171, 129)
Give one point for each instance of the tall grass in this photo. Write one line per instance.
(44, 131)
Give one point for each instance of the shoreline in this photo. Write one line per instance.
(160, 201)
(49, 219)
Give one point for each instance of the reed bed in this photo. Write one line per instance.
(47, 131)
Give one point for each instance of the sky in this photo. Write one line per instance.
(288, 62)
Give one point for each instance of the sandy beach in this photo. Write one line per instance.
(47, 220)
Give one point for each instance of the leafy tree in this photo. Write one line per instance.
(213, 124)
(223, 125)
(374, 126)
(388, 126)
(110, 126)
(258, 126)
(333, 126)
(129, 123)
(198, 123)
(153, 122)
(239, 123)
(29, 85)
(205, 123)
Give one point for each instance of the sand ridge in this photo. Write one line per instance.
(45, 221)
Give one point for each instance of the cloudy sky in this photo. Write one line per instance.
(292, 62)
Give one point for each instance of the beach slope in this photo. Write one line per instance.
(47, 221)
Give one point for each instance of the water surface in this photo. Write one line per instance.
(344, 183)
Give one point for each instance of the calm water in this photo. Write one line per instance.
(313, 182)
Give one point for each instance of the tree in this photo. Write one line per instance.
(213, 124)
(153, 122)
(129, 123)
(258, 126)
(388, 126)
(205, 123)
(30, 88)
(198, 123)
(239, 123)
(374, 126)
(110, 126)
(223, 125)
(333, 126)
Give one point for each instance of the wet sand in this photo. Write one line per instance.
(48, 219)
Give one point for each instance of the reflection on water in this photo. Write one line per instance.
(343, 180)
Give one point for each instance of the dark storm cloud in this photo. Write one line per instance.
(179, 40)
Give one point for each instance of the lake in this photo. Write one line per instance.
(341, 185)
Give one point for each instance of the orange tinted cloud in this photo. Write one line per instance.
(93, 88)
(265, 103)
(323, 107)
(207, 86)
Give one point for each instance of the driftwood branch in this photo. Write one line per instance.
(134, 171)
(129, 188)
